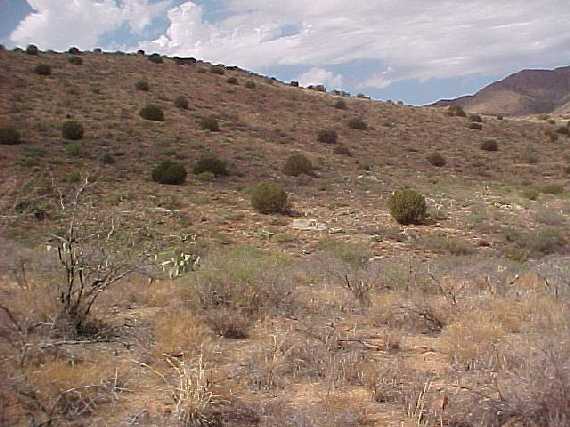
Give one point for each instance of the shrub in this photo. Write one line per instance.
(141, 52)
(181, 102)
(563, 130)
(342, 150)
(340, 105)
(142, 85)
(551, 135)
(75, 60)
(9, 136)
(32, 50)
(268, 197)
(298, 164)
(474, 126)
(210, 123)
(327, 136)
(211, 163)
(456, 111)
(72, 130)
(107, 159)
(552, 189)
(155, 58)
(250, 84)
(42, 69)
(233, 81)
(358, 124)
(408, 207)
(74, 51)
(218, 69)
(294, 83)
(531, 194)
(490, 145)
(436, 159)
(475, 118)
(73, 150)
(500, 117)
(169, 173)
(152, 112)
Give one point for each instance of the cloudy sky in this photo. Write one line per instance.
(412, 50)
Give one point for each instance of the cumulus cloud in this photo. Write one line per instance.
(58, 24)
(317, 76)
(415, 39)
(409, 39)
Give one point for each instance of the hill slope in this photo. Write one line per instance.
(329, 314)
(523, 93)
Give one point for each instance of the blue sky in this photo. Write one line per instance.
(417, 51)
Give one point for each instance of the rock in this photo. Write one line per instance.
(307, 224)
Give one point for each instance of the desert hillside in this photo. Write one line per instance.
(524, 93)
(152, 272)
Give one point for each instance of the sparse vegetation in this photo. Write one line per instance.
(32, 50)
(182, 103)
(75, 60)
(489, 145)
(218, 69)
(474, 126)
(142, 85)
(72, 130)
(327, 136)
(340, 105)
(436, 159)
(210, 123)
(408, 207)
(250, 84)
(42, 69)
(268, 198)
(155, 58)
(456, 111)
(358, 124)
(169, 173)
(152, 112)
(10, 136)
(233, 81)
(298, 164)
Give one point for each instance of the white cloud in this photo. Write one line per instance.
(59, 24)
(316, 76)
(413, 39)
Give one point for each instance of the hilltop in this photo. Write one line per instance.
(328, 313)
(524, 93)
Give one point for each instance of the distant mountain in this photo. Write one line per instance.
(522, 93)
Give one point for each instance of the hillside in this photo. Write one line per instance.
(329, 313)
(523, 93)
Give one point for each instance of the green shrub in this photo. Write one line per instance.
(42, 69)
(142, 85)
(233, 81)
(475, 118)
(10, 136)
(152, 112)
(298, 164)
(340, 105)
(72, 130)
(169, 173)
(181, 102)
(32, 50)
(218, 69)
(155, 58)
(408, 207)
(74, 51)
(73, 150)
(75, 60)
(358, 124)
(489, 145)
(436, 159)
(456, 111)
(268, 197)
(250, 84)
(327, 136)
(474, 126)
(206, 176)
(107, 159)
(210, 123)
(211, 163)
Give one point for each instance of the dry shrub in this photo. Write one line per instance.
(472, 338)
(180, 332)
(248, 280)
(228, 323)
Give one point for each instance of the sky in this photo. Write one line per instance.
(417, 51)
